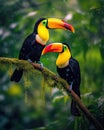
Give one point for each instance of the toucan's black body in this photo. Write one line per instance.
(71, 74)
(31, 50)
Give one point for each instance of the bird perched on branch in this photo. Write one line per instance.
(36, 41)
(68, 68)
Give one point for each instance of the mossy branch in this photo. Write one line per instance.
(56, 82)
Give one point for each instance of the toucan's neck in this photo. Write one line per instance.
(64, 64)
(40, 40)
(63, 59)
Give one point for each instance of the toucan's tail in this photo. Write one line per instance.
(17, 75)
(74, 109)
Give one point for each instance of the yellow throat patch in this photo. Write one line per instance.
(63, 58)
(43, 32)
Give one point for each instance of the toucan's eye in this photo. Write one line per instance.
(44, 22)
(65, 47)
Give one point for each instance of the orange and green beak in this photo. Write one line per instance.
(54, 23)
(54, 47)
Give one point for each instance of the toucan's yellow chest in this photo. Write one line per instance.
(63, 58)
(43, 32)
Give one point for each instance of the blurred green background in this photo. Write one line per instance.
(28, 106)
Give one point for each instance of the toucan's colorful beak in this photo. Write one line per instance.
(54, 47)
(55, 23)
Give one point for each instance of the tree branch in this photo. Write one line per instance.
(63, 85)
(86, 112)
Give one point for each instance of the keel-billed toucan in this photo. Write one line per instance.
(36, 41)
(68, 68)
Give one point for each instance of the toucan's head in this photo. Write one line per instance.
(43, 24)
(62, 48)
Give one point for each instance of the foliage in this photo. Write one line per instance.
(17, 19)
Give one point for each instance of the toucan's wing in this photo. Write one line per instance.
(75, 68)
(27, 46)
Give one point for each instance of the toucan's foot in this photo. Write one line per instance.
(71, 85)
(39, 62)
(56, 77)
(29, 60)
(74, 110)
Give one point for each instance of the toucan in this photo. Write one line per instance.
(36, 41)
(68, 68)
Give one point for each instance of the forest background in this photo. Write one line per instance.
(25, 105)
